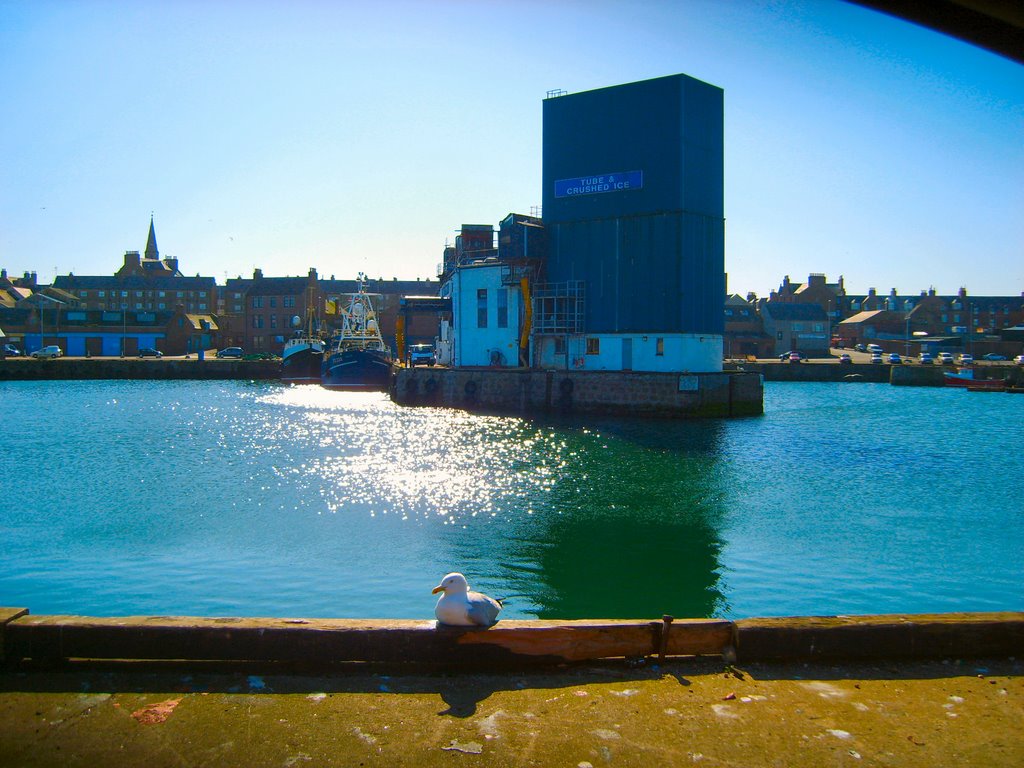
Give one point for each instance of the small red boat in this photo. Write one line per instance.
(965, 378)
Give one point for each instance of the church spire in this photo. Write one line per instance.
(151, 251)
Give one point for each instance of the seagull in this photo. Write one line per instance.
(460, 607)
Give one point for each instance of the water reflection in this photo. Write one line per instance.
(630, 530)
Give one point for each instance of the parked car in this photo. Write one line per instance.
(877, 359)
(874, 349)
(925, 359)
(965, 360)
(845, 359)
(421, 354)
(894, 359)
(1019, 359)
(993, 356)
(230, 352)
(48, 352)
(860, 348)
(150, 352)
(11, 351)
(944, 358)
(789, 356)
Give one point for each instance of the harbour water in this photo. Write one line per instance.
(259, 499)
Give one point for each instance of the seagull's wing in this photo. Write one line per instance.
(483, 610)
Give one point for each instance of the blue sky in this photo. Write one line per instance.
(356, 136)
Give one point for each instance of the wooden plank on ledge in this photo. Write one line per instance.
(342, 640)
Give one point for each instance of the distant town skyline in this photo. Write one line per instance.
(347, 138)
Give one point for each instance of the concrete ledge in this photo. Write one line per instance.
(329, 641)
(919, 636)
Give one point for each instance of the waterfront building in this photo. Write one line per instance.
(143, 283)
(744, 334)
(489, 288)
(634, 219)
(796, 327)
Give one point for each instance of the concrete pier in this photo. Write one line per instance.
(627, 393)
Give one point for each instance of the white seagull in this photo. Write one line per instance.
(460, 607)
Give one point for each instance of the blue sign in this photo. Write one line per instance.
(596, 185)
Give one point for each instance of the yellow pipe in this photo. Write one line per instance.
(524, 340)
(400, 336)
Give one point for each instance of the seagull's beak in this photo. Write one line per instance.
(437, 589)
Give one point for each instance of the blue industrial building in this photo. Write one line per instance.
(634, 217)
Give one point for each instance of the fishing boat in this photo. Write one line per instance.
(356, 356)
(965, 378)
(303, 355)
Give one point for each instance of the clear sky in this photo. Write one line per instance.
(354, 136)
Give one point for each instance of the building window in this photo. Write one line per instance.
(161, 305)
(238, 307)
(289, 301)
(238, 295)
(593, 346)
(257, 302)
(797, 327)
(181, 294)
(202, 307)
(659, 347)
(956, 318)
(124, 294)
(481, 308)
(273, 318)
(273, 302)
(560, 345)
(503, 307)
(819, 328)
(202, 294)
(84, 294)
(103, 294)
(162, 294)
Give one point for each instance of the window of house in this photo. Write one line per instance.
(162, 294)
(593, 346)
(124, 294)
(728, 313)
(181, 294)
(202, 294)
(481, 308)
(659, 346)
(202, 306)
(161, 305)
(503, 307)
(273, 319)
(560, 345)
(138, 294)
(288, 301)
(257, 302)
(956, 318)
(798, 327)
(238, 295)
(819, 327)
(238, 307)
(83, 294)
(103, 294)
(273, 301)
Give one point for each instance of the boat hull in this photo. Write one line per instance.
(968, 381)
(303, 366)
(357, 369)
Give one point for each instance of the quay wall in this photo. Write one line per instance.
(26, 369)
(627, 393)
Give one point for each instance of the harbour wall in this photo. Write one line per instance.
(627, 393)
(24, 369)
